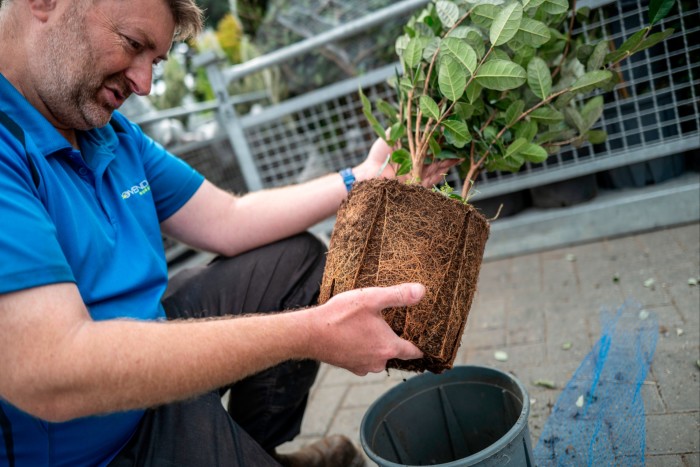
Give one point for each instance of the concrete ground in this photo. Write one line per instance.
(531, 305)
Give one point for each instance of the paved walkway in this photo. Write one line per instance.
(529, 306)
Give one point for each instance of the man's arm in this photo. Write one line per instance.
(217, 221)
(58, 364)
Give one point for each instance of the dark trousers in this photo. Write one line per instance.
(266, 409)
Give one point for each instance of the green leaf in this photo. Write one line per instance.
(460, 51)
(539, 78)
(506, 24)
(637, 42)
(507, 164)
(614, 57)
(429, 107)
(555, 7)
(533, 33)
(596, 136)
(523, 55)
(526, 129)
(498, 54)
(484, 14)
(584, 51)
(528, 5)
(534, 153)
(423, 29)
(654, 39)
(367, 110)
(465, 32)
(563, 100)
(473, 92)
(582, 14)
(546, 115)
(448, 13)
(501, 75)
(405, 85)
(366, 104)
(396, 132)
(401, 44)
(403, 158)
(477, 43)
(658, 9)
(555, 135)
(591, 80)
(445, 155)
(387, 109)
(435, 148)
(628, 47)
(516, 146)
(456, 133)
(414, 52)
(574, 119)
(463, 110)
(514, 110)
(592, 111)
(452, 78)
(430, 48)
(472, 36)
(595, 61)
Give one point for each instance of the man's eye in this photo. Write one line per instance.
(132, 43)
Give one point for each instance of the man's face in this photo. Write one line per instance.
(92, 57)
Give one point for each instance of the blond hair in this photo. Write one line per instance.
(188, 18)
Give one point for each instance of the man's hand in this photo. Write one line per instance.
(351, 333)
(375, 166)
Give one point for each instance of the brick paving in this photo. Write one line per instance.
(530, 305)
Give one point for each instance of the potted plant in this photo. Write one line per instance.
(494, 85)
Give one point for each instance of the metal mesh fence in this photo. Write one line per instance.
(295, 20)
(314, 140)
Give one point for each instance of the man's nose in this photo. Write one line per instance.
(140, 76)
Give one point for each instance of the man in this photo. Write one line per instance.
(91, 372)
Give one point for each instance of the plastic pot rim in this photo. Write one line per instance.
(408, 387)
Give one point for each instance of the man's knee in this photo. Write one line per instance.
(304, 246)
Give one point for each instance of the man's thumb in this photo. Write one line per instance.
(407, 294)
(408, 351)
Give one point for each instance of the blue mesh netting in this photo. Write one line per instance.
(606, 426)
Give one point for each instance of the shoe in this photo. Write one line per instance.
(332, 451)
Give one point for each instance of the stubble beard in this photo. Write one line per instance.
(70, 84)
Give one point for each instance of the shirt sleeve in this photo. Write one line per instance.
(30, 254)
(172, 180)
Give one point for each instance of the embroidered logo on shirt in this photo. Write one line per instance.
(140, 189)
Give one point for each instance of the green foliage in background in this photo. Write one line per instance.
(214, 10)
(229, 32)
(290, 21)
(499, 83)
(175, 90)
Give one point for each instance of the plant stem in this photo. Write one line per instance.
(568, 39)
(475, 168)
(420, 142)
(615, 66)
(416, 168)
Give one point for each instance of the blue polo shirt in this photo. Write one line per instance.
(90, 217)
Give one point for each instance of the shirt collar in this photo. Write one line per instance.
(47, 139)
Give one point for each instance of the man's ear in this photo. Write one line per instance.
(42, 9)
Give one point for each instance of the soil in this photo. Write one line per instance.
(387, 233)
